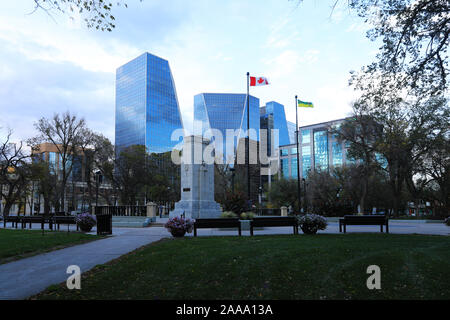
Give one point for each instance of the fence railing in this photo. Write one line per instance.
(122, 211)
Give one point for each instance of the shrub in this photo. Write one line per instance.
(311, 223)
(236, 202)
(228, 214)
(178, 226)
(85, 221)
(247, 215)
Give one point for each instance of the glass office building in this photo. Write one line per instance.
(224, 111)
(291, 131)
(319, 150)
(147, 110)
(272, 117)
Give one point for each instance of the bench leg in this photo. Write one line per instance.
(387, 227)
(240, 231)
(340, 226)
(195, 231)
(381, 228)
(345, 228)
(251, 230)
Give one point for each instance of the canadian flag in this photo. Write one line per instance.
(258, 81)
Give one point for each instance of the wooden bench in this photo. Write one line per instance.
(32, 219)
(217, 223)
(13, 219)
(274, 222)
(364, 220)
(58, 220)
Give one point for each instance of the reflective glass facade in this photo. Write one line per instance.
(321, 150)
(224, 111)
(306, 136)
(147, 110)
(294, 167)
(306, 160)
(273, 117)
(291, 130)
(337, 153)
(285, 167)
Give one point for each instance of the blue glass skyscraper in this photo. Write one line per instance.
(272, 117)
(224, 111)
(147, 110)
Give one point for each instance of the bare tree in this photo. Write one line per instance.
(14, 172)
(65, 133)
(96, 13)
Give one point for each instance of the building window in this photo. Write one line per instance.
(306, 136)
(337, 154)
(284, 152)
(294, 168)
(306, 160)
(52, 161)
(294, 151)
(321, 150)
(285, 168)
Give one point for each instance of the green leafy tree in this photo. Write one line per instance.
(361, 132)
(283, 192)
(131, 174)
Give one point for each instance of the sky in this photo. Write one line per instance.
(50, 64)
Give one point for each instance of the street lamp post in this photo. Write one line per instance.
(305, 197)
(168, 199)
(232, 179)
(97, 182)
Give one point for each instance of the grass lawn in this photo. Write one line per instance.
(17, 244)
(272, 267)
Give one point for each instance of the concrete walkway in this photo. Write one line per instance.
(23, 278)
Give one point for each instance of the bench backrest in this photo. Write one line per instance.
(368, 219)
(11, 218)
(64, 219)
(274, 221)
(217, 223)
(31, 218)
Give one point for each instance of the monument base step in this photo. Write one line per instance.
(132, 222)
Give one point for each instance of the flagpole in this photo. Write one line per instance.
(298, 156)
(247, 147)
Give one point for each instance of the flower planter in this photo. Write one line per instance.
(85, 228)
(311, 223)
(307, 230)
(177, 233)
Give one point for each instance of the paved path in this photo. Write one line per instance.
(23, 278)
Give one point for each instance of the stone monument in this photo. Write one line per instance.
(197, 182)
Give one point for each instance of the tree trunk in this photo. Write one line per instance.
(6, 209)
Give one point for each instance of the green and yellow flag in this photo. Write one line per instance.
(303, 104)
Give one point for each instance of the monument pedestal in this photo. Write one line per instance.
(197, 183)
